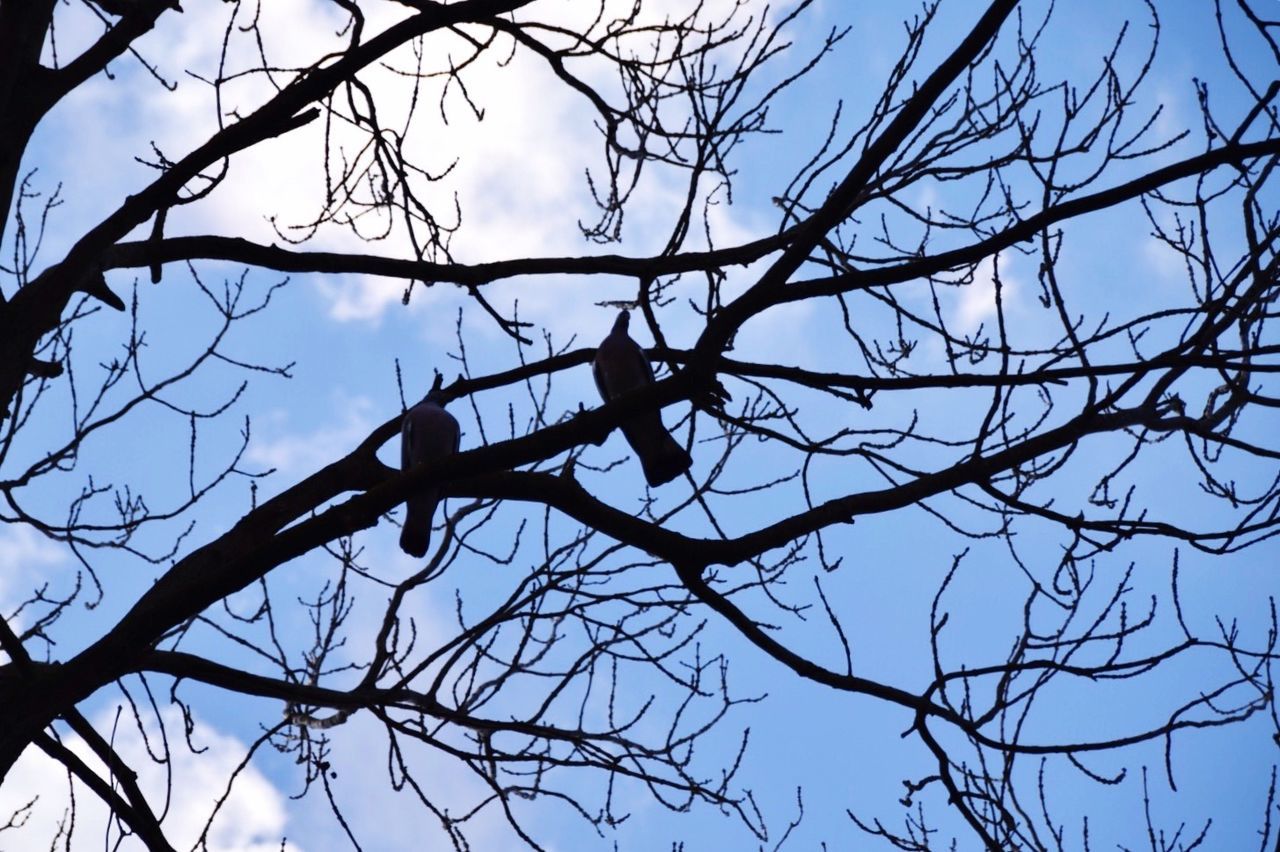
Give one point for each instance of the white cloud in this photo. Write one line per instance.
(24, 555)
(519, 175)
(928, 196)
(976, 302)
(22, 549)
(253, 819)
(364, 297)
(358, 761)
(1168, 266)
(1170, 121)
(307, 452)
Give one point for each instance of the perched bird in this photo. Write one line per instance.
(427, 434)
(621, 366)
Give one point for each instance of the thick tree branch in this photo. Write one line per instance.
(138, 20)
(145, 253)
(142, 823)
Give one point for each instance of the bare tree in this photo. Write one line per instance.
(1084, 412)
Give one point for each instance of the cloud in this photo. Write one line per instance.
(307, 452)
(24, 555)
(1166, 265)
(359, 779)
(352, 298)
(253, 818)
(976, 302)
(519, 174)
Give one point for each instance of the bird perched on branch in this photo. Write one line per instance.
(427, 434)
(620, 366)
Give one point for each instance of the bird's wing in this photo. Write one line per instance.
(642, 361)
(428, 432)
(620, 365)
(597, 372)
(406, 440)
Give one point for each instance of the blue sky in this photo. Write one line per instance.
(345, 334)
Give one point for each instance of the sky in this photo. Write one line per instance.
(345, 335)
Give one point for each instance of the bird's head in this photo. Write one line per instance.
(622, 322)
(436, 394)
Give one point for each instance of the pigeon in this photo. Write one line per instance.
(620, 366)
(427, 434)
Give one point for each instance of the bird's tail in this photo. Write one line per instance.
(662, 458)
(415, 535)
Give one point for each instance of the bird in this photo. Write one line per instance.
(620, 366)
(428, 434)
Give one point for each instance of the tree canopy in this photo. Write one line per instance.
(961, 322)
